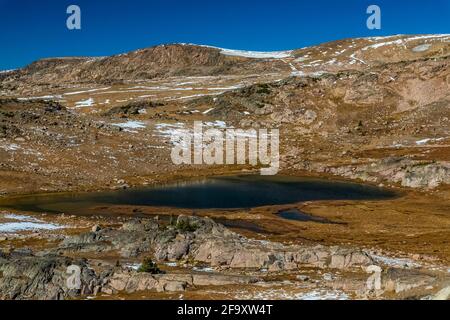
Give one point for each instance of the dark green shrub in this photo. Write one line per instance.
(185, 226)
(263, 89)
(148, 266)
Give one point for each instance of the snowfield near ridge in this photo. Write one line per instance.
(250, 54)
(256, 54)
(7, 71)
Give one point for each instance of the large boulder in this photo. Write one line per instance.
(25, 276)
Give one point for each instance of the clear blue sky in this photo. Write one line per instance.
(34, 29)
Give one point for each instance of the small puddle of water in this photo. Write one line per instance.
(297, 215)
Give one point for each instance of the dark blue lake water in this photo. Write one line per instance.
(218, 192)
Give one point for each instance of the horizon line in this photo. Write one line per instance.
(221, 48)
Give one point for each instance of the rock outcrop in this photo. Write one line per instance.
(24, 276)
(210, 244)
(131, 282)
(407, 172)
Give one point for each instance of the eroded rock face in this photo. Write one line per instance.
(408, 173)
(132, 239)
(401, 281)
(25, 276)
(428, 176)
(275, 257)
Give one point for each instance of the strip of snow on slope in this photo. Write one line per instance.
(85, 103)
(256, 54)
(25, 223)
(7, 71)
(250, 54)
(402, 41)
(130, 125)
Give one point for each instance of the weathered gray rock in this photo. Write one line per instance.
(427, 176)
(409, 173)
(204, 241)
(243, 254)
(25, 276)
(404, 280)
(443, 294)
(345, 258)
(131, 281)
(134, 238)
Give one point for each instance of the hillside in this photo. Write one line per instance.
(374, 111)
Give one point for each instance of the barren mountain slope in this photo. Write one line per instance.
(190, 60)
(351, 121)
(140, 65)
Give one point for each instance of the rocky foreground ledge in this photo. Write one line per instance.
(192, 243)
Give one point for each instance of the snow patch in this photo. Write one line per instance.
(7, 71)
(171, 264)
(133, 266)
(282, 294)
(425, 141)
(204, 269)
(251, 54)
(208, 111)
(25, 223)
(222, 88)
(12, 227)
(422, 48)
(198, 95)
(170, 129)
(257, 54)
(20, 218)
(84, 103)
(10, 147)
(48, 97)
(216, 124)
(355, 59)
(130, 125)
(403, 41)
